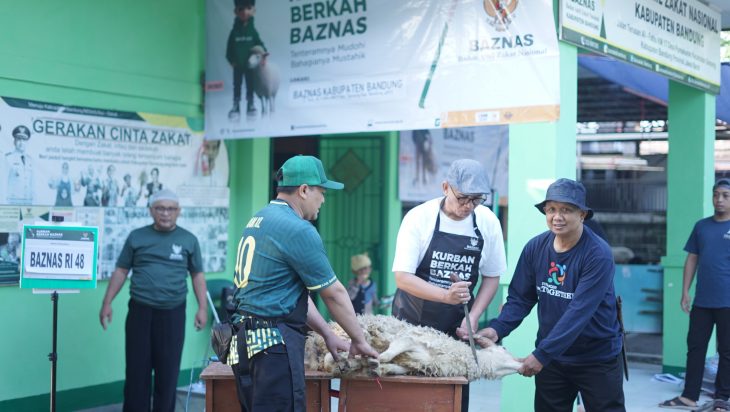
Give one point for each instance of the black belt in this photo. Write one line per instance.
(253, 322)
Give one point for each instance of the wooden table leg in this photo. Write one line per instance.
(209, 393)
(324, 394)
(457, 398)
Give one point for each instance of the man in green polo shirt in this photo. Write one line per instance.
(160, 257)
(281, 259)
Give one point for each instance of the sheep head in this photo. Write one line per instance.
(495, 362)
(257, 57)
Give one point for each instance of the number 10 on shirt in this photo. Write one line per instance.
(246, 248)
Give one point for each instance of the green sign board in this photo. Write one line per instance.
(679, 40)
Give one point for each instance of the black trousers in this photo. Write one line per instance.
(238, 75)
(154, 341)
(701, 321)
(600, 385)
(264, 382)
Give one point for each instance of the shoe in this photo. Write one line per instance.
(235, 110)
(250, 108)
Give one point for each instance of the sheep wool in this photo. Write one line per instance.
(407, 349)
(265, 79)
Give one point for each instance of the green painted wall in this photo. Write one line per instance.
(128, 55)
(539, 153)
(690, 175)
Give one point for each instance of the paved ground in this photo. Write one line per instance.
(643, 393)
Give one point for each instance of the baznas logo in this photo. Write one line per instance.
(556, 274)
(176, 252)
(500, 12)
(473, 244)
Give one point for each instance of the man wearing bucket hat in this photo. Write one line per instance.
(160, 256)
(19, 166)
(452, 234)
(568, 272)
(281, 259)
(708, 255)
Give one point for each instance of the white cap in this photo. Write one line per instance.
(164, 194)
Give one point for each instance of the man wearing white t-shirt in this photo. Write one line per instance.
(450, 234)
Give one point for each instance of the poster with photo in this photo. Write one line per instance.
(306, 67)
(67, 156)
(208, 224)
(98, 168)
(9, 258)
(425, 156)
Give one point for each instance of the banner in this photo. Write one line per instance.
(679, 39)
(425, 157)
(55, 155)
(331, 66)
(98, 168)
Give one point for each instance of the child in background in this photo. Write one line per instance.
(242, 38)
(363, 291)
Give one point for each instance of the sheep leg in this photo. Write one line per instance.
(390, 369)
(263, 105)
(375, 368)
(397, 347)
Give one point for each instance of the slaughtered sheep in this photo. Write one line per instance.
(406, 349)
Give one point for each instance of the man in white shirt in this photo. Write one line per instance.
(19, 169)
(450, 234)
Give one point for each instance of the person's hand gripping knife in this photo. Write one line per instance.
(467, 318)
(530, 365)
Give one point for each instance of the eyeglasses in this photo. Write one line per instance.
(464, 200)
(162, 209)
(563, 211)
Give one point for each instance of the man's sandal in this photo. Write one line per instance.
(719, 405)
(677, 403)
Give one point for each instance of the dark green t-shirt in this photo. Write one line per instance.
(240, 41)
(160, 263)
(280, 255)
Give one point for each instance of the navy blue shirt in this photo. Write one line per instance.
(710, 240)
(574, 293)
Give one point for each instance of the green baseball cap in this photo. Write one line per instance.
(305, 170)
